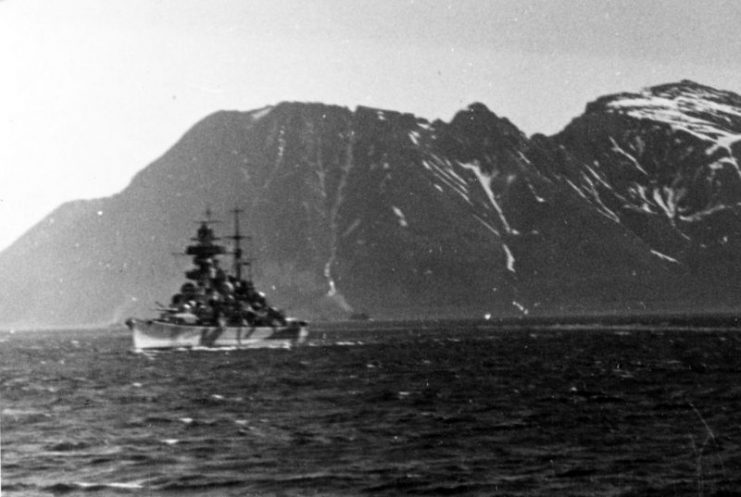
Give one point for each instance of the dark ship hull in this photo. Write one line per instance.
(158, 334)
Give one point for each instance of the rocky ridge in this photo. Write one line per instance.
(632, 207)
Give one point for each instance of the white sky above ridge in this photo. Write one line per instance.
(93, 91)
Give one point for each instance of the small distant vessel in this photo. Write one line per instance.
(217, 308)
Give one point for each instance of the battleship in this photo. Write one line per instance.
(217, 307)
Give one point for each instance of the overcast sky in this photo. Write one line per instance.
(94, 90)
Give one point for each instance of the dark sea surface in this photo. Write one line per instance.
(433, 410)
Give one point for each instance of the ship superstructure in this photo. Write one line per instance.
(223, 305)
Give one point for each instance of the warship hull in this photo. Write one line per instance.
(156, 334)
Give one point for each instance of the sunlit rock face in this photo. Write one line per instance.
(632, 207)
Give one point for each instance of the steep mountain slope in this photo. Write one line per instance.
(632, 206)
(664, 163)
(331, 198)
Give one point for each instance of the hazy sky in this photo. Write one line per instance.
(94, 90)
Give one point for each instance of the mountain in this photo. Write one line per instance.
(664, 163)
(632, 207)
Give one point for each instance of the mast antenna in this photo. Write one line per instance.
(238, 237)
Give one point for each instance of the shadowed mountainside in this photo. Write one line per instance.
(632, 207)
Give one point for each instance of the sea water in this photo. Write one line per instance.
(447, 410)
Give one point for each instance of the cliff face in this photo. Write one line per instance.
(633, 206)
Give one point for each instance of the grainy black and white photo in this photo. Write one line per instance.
(341, 248)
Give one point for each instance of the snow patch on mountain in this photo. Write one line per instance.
(699, 216)
(487, 225)
(443, 170)
(618, 149)
(594, 192)
(666, 198)
(400, 216)
(334, 215)
(664, 256)
(510, 258)
(485, 182)
(260, 113)
(692, 111)
(538, 198)
(725, 142)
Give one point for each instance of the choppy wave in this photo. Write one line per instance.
(519, 412)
